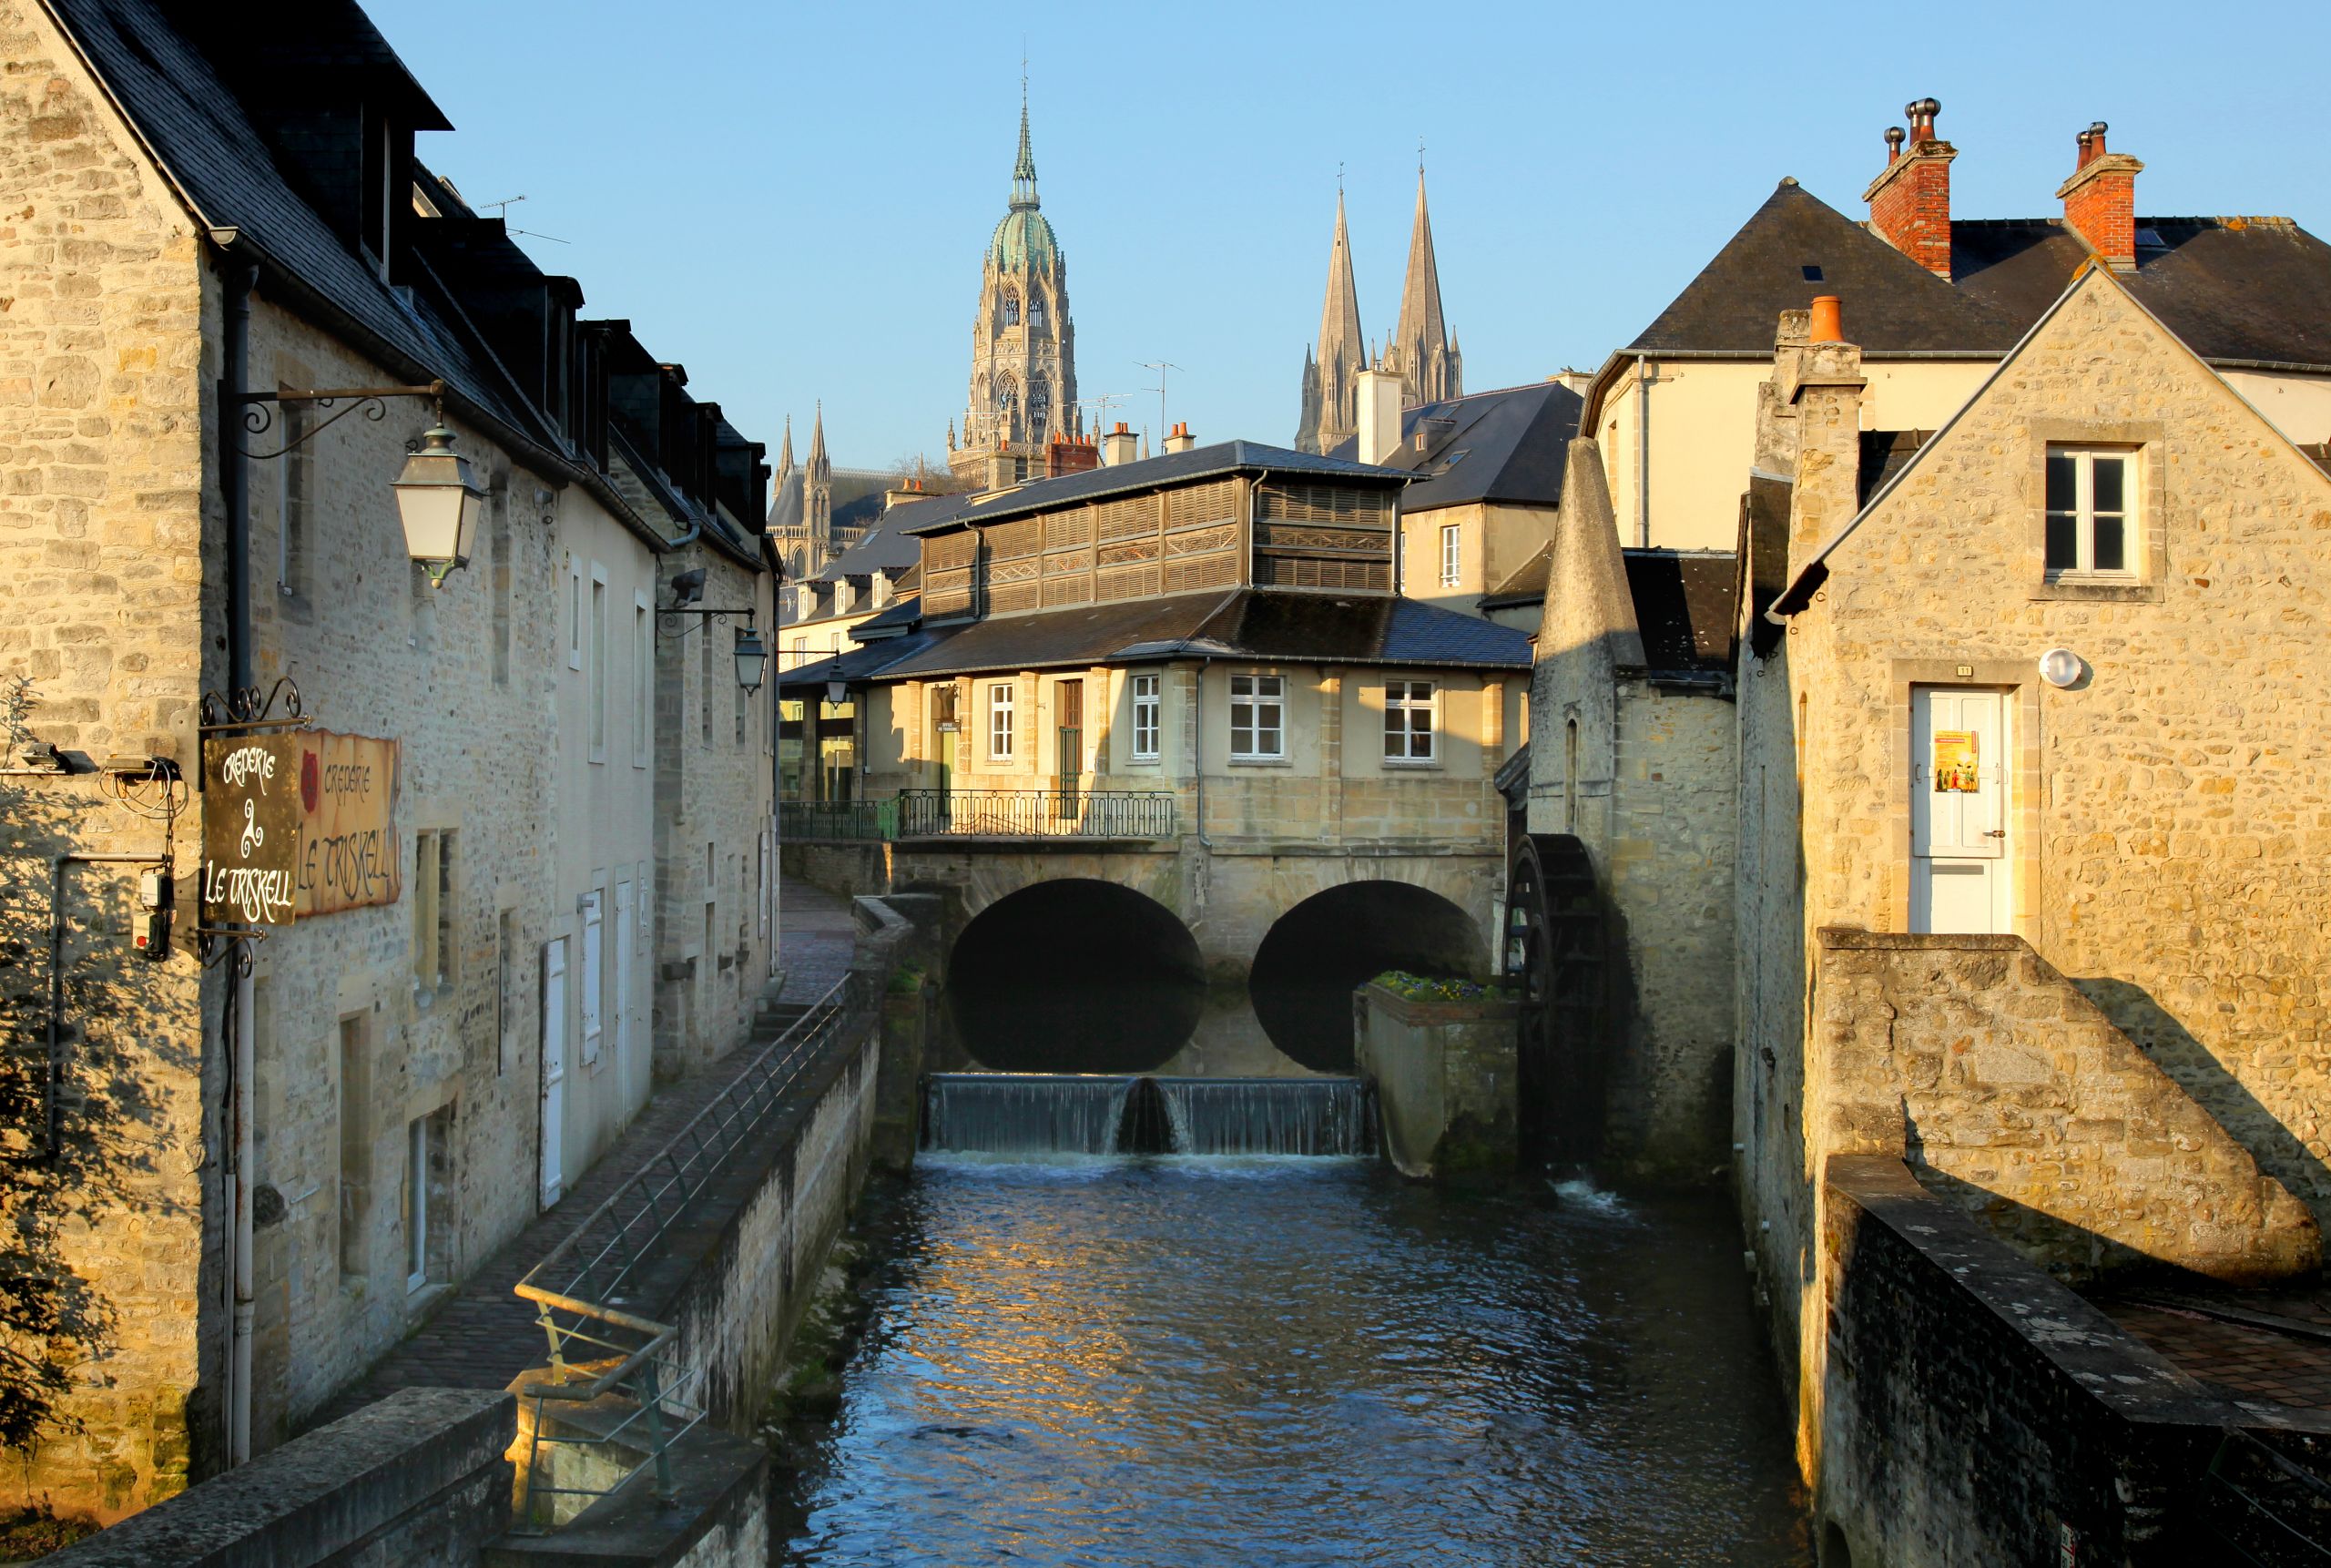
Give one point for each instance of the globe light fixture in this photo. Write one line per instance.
(2060, 667)
(439, 500)
(752, 655)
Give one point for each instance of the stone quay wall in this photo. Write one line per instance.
(2012, 1092)
(1445, 1077)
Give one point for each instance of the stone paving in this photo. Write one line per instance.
(2253, 1347)
(481, 1335)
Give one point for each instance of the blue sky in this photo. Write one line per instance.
(792, 200)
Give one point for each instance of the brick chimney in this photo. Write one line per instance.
(1070, 454)
(2101, 200)
(1180, 440)
(1909, 204)
(1120, 446)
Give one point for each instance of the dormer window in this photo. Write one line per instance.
(2092, 497)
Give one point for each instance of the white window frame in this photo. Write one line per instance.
(1261, 697)
(1148, 717)
(643, 676)
(594, 663)
(1453, 554)
(1003, 721)
(593, 975)
(574, 614)
(416, 1189)
(1402, 700)
(2084, 515)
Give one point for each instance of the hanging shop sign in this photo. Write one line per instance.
(349, 857)
(250, 828)
(1955, 763)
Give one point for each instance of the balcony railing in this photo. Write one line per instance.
(1036, 813)
(810, 820)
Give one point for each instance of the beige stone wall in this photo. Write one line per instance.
(103, 426)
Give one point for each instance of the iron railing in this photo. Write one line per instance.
(2266, 1509)
(578, 1290)
(810, 821)
(1037, 813)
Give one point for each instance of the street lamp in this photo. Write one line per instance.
(439, 500)
(752, 654)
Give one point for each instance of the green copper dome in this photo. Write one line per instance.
(1024, 240)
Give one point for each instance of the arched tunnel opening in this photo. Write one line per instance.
(1332, 942)
(1075, 976)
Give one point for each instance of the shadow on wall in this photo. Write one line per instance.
(114, 1149)
(2281, 1153)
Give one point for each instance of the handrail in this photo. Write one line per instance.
(659, 1193)
(1038, 813)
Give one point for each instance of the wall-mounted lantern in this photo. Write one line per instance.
(688, 595)
(439, 500)
(752, 657)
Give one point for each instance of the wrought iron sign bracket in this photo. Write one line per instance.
(676, 632)
(372, 402)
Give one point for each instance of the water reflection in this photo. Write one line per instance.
(1167, 1362)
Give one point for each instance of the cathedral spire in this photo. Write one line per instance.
(785, 452)
(1330, 387)
(1024, 171)
(1420, 350)
(818, 460)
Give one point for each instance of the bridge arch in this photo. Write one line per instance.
(1318, 950)
(1075, 974)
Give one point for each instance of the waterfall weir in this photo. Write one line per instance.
(1070, 1112)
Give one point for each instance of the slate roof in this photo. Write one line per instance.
(1251, 623)
(1149, 474)
(1526, 584)
(1506, 445)
(2235, 289)
(1684, 601)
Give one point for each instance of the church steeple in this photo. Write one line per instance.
(820, 465)
(785, 452)
(1331, 390)
(1024, 169)
(1427, 363)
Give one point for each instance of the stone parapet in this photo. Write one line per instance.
(1445, 1077)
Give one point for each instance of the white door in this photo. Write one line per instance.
(623, 945)
(1959, 810)
(554, 1066)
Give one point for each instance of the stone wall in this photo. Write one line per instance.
(417, 1481)
(1979, 1412)
(104, 426)
(2016, 1097)
(1444, 1074)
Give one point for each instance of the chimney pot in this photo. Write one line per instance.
(1909, 201)
(1827, 324)
(1893, 143)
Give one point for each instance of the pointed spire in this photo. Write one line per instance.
(785, 452)
(819, 463)
(1331, 402)
(1421, 342)
(1024, 171)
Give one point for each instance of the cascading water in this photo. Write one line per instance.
(1064, 1113)
(1024, 1113)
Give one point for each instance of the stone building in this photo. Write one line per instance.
(1024, 344)
(1420, 351)
(1938, 299)
(247, 1187)
(1186, 682)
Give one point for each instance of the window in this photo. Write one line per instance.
(1145, 708)
(424, 910)
(504, 576)
(596, 639)
(1258, 718)
(416, 1216)
(703, 689)
(1000, 707)
(1010, 309)
(355, 1143)
(1453, 554)
(574, 614)
(642, 677)
(594, 978)
(2090, 493)
(1411, 712)
(505, 963)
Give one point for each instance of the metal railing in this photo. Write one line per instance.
(1037, 813)
(578, 1290)
(800, 821)
(2269, 1509)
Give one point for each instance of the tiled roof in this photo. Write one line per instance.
(1684, 606)
(1151, 472)
(2250, 289)
(1506, 445)
(1248, 624)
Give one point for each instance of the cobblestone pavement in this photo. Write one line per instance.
(2253, 1347)
(481, 1335)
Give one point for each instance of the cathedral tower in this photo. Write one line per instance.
(1422, 351)
(1023, 345)
(1331, 381)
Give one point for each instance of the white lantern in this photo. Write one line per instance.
(2060, 667)
(439, 500)
(752, 654)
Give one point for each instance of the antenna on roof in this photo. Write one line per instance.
(1161, 367)
(501, 210)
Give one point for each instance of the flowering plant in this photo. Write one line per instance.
(1425, 987)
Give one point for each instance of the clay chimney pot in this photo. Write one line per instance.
(1827, 324)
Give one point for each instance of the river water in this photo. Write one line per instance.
(1249, 1361)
